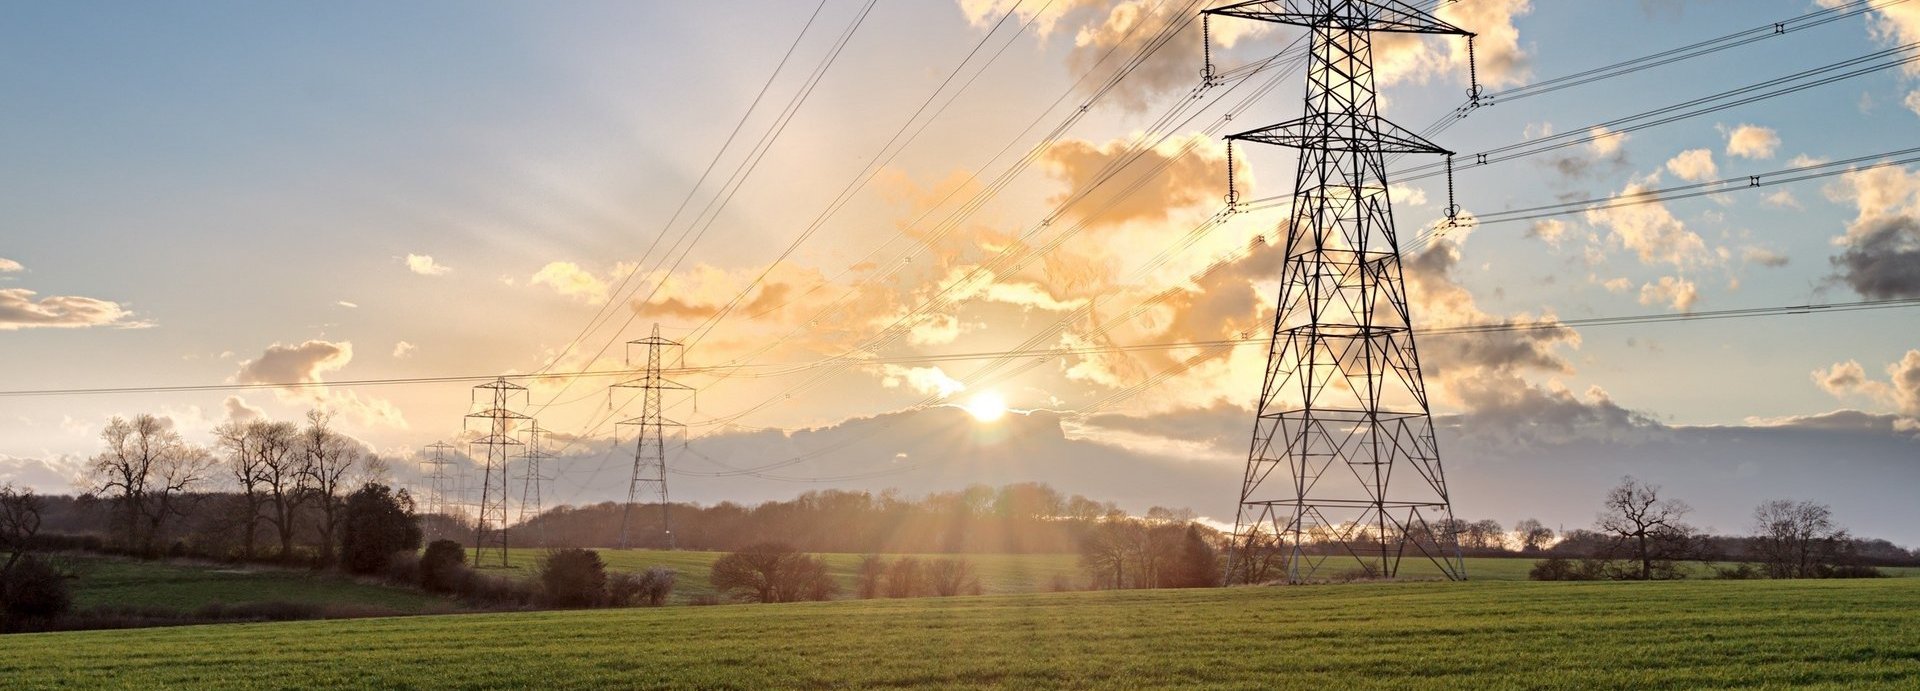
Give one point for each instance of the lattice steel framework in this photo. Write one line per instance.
(532, 478)
(649, 479)
(1342, 406)
(496, 446)
(434, 466)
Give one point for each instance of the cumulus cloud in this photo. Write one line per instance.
(1605, 153)
(425, 265)
(1650, 230)
(1551, 230)
(1752, 141)
(1694, 165)
(1109, 41)
(1761, 256)
(239, 411)
(298, 368)
(983, 14)
(8, 266)
(1180, 173)
(567, 278)
(1912, 101)
(1500, 58)
(1782, 198)
(1879, 254)
(402, 350)
(1673, 291)
(1900, 391)
(20, 309)
(925, 380)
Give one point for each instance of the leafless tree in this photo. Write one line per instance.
(282, 476)
(1534, 535)
(147, 468)
(1483, 534)
(1646, 528)
(19, 522)
(1797, 539)
(772, 572)
(240, 441)
(952, 576)
(330, 458)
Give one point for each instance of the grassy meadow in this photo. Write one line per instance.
(1483, 634)
(187, 586)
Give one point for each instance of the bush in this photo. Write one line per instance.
(443, 566)
(1852, 571)
(1739, 572)
(772, 572)
(949, 577)
(870, 577)
(376, 525)
(573, 577)
(1561, 569)
(34, 589)
(623, 588)
(904, 578)
(656, 585)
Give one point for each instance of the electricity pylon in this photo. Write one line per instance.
(1343, 405)
(650, 441)
(532, 479)
(496, 447)
(437, 480)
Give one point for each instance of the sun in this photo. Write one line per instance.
(987, 406)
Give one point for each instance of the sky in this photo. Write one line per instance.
(226, 193)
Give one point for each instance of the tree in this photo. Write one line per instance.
(33, 589)
(1797, 539)
(1646, 529)
(1484, 534)
(376, 523)
(1534, 536)
(283, 476)
(952, 576)
(442, 565)
(19, 523)
(772, 572)
(329, 458)
(904, 578)
(240, 442)
(870, 577)
(573, 577)
(146, 469)
(1197, 566)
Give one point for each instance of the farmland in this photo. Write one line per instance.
(113, 582)
(1482, 634)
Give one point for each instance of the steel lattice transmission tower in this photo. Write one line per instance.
(437, 479)
(1342, 408)
(532, 478)
(495, 445)
(650, 440)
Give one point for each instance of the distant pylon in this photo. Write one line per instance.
(649, 477)
(496, 447)
(532, 478)
(1343, 405)
(438, 483)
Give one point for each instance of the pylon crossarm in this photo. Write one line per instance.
(1389, 16)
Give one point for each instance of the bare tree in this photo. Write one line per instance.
(1797, 539)
(1646, 528)
(19, 523)
(145, 469)
(330, 459)
(1533, 535)
(240, 442)
(282, 476)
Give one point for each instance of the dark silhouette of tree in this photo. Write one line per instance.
(376, 523)
(905, 578)
(283, 475)
(573, 577)
(1646, 529)
(146, 470)
(870, 577)
(442, 566)
(1533, 535)
(1797, 539)
(329, 459)
(20, 518)
(950, 576)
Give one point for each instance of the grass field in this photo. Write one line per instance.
(111, 582)
(1487, 634)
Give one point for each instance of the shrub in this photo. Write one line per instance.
(1061, 583)
(1739, 572)
(904, 578)
(1561, 569)
(622, 589)
(443, 566)
(573, 577)
(34, 589)
(656, 585)
(772, 572)
(949, 577)
(376, 524)
(1852, 571)
(870, 577)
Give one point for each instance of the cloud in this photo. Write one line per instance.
(1606, 152)
(1782, 198)
(425, 265)
(1650, 230)
(19, 309)
(1879, 253)
(306, 364)
(983, 14)
(1551, 230)
(239, 411)
(348, 305)
(1761, 256)
(1606, 142)
(1912, 101)
(567, 278)
(1752, 141)
(8, 266)
(925, 380)
(1673, 291)
(1694, 165)
(1180, 173)
(402, 350)
(1901, 390)
(1500, 59)
(1106, 44)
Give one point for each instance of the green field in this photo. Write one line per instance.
(1488, 634)
(1000, 574)
(184, 587)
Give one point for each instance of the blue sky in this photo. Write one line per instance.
(232, 176)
